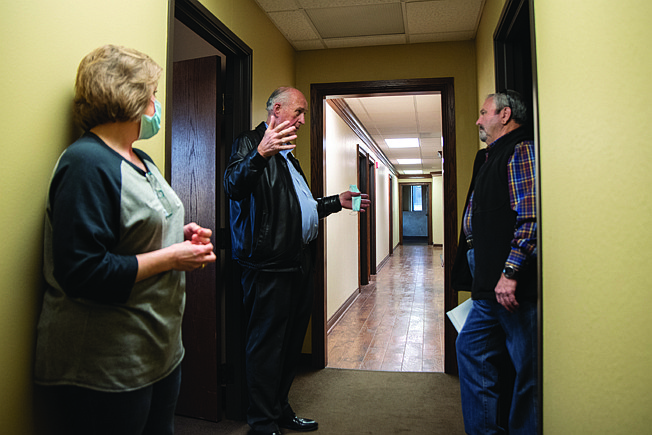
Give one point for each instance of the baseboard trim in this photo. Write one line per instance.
(332, 321)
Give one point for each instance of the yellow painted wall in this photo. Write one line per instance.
(273, 58)
(594, 67)
(41, 44)
(484, 49)
(486, 79)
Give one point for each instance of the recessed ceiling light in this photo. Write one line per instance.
(408, 161)
(410, 142)
(413, 171)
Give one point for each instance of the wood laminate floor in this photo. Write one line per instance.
(397, 321)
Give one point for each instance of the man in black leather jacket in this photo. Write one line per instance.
(274, 222)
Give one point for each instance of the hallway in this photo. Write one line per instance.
(397, 321)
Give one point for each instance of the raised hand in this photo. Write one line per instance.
(277, 138)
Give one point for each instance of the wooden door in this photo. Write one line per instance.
(195, 135)
(363, 222)
(371, 211)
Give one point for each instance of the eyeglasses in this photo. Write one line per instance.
(158, 190)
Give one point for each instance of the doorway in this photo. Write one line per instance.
(319, 92)
(515, 63)
(415, 215)
(211, 83)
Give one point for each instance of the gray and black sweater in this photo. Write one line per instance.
(98, 328)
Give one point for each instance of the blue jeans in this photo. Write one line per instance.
(497, 362)
(146, 411)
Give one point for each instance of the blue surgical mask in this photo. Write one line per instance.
(150, 125)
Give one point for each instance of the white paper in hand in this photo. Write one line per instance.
(459, 313)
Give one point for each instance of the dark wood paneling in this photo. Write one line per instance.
(195, 133)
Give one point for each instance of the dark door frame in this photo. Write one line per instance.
(516, 68)
(364, 221)
(318, 92)
(371, 212)
(237, 96)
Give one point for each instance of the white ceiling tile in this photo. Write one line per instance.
(365, 41)
(277, 5)
(355, 104)
(429, 123)
(388, 104)
(336, 3)
(396, 117)
(441, 37)
(432, 142)
(294, 25)
(406, 153)
(449, 16)
(430, 103)
(312, 44)
(354, 21)
(424, 21)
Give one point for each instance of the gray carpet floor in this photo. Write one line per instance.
(353, 402)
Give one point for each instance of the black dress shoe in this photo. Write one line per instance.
(299, 424)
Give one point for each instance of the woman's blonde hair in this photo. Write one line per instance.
(114, 84)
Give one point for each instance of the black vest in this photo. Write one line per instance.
(493, 224)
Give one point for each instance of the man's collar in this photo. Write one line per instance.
(492, 144)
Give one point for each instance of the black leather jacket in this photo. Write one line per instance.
(265, 214)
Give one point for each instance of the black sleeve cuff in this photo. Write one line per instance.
(328, 205)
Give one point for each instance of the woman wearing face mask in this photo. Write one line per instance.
(115, 255)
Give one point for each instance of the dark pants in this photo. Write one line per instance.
(146, 411)
(279, 305)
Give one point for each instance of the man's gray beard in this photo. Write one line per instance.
(483, 135)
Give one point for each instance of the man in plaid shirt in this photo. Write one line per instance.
(496, 261)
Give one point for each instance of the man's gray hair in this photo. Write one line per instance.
(513, 100)
(280, 95)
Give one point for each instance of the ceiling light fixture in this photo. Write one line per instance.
(409, 161)
(409, 142)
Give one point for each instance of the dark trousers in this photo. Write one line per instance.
(146, 411)
(279, 305)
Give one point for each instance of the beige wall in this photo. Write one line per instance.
(594, 68)
(396, 235)
(382, 212)
(437, 210)
(341, 228)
